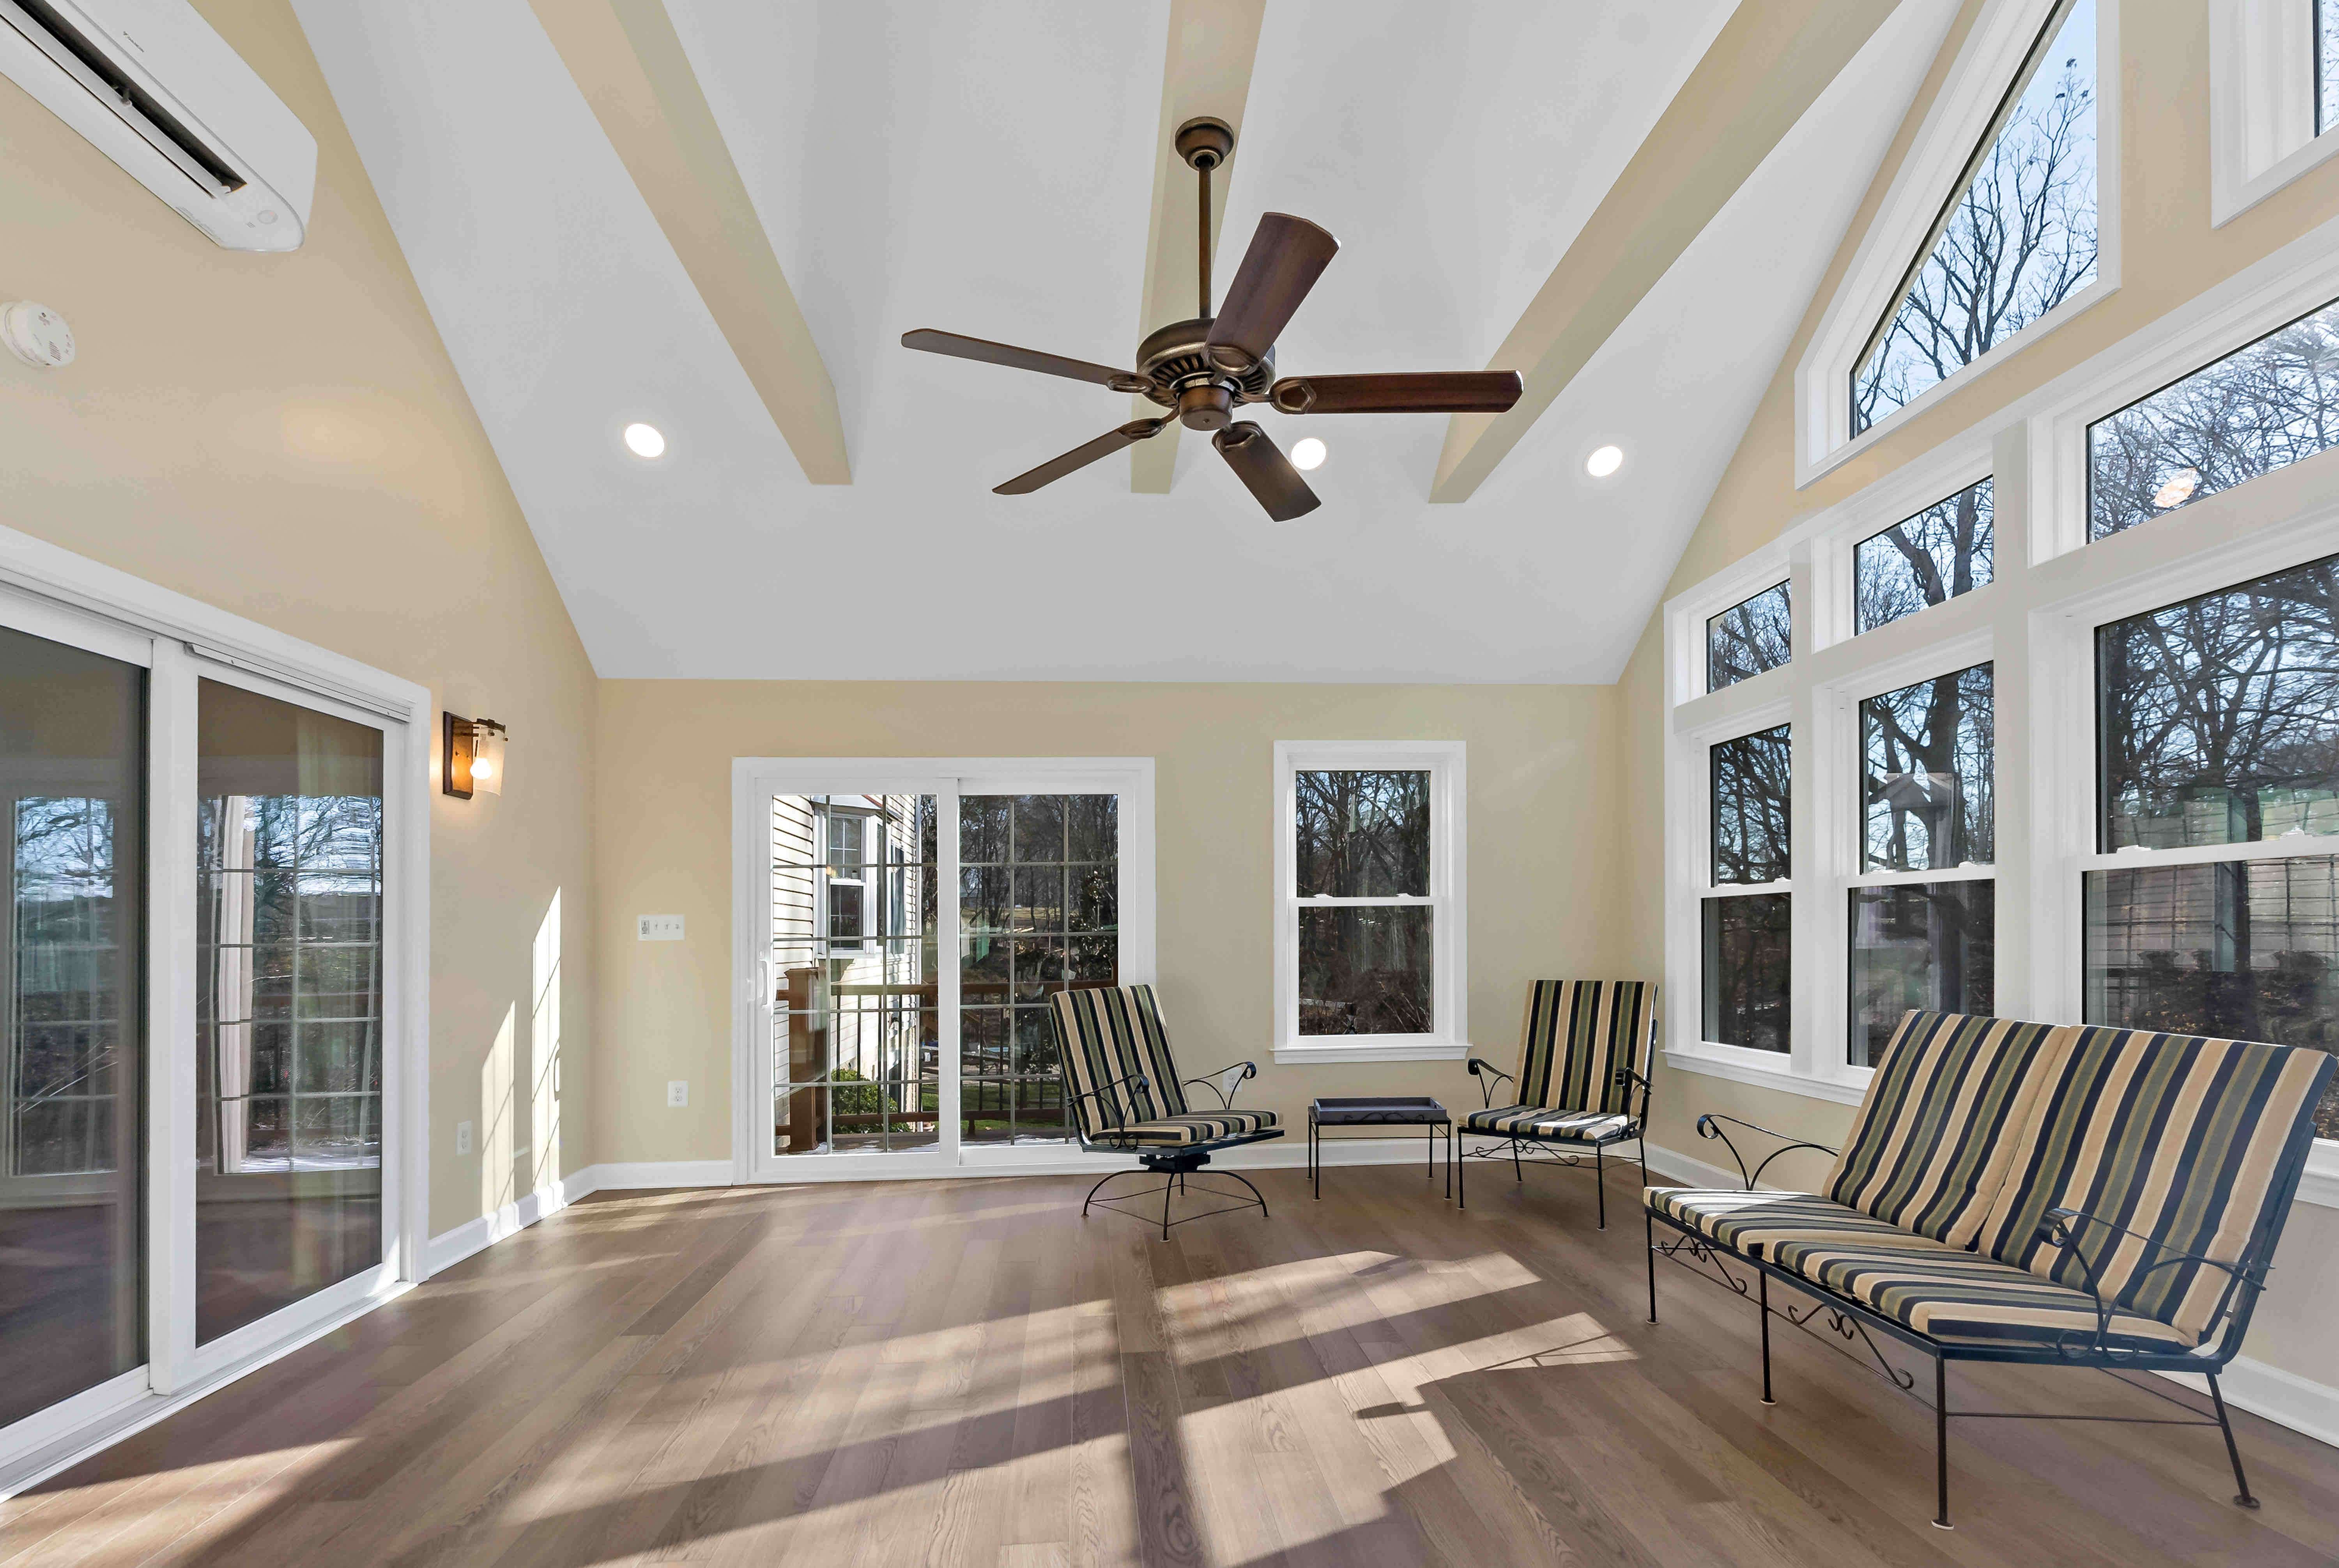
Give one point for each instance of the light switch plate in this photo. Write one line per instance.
(677, 1092)
(462, 1138)
(660, 927)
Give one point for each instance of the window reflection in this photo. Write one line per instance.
(72, 1163)
(1749, 970)
(1749, 637)
(2220, 715)
(288, 1004)
(1927, 946)
(1752, 794)
(1926, 789)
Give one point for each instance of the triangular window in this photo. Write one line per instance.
(2017, 240)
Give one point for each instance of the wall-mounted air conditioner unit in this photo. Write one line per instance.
(163, 95)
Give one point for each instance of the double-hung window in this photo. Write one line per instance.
(1923, 907)
(1747, 918)
(1369, 910)
(2213, 902)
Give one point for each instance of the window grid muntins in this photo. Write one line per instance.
(2016, 239)
(1040, 913)
(857, 1054)
(65, 991)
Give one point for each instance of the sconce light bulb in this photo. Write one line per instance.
(482, 768)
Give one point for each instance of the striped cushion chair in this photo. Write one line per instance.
(1928, 1151)
(1583, 1081)
(1127, 1097)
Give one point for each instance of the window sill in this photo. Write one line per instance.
(1365, 1048)
(1779, 1078)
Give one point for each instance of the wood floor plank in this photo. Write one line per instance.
(965, 1372)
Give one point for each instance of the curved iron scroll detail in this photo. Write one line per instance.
(1850, 1328)
(1709, 1126)
(1703, 1253)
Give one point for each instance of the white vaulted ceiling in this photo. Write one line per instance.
(989, 170)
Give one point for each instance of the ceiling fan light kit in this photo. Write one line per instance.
(1204, 369)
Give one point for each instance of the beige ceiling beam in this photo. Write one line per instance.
(1212, 45)
(1771, 61)
(629, 63)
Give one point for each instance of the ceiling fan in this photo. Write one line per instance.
(1202, 369)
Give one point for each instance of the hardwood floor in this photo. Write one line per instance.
(965, 1372)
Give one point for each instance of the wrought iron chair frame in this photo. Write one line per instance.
(1556, 1149)
(1174, 1163)
(1851, 1319)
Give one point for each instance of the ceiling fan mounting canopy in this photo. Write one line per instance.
(1204, 368)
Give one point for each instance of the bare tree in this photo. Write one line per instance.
(1943, 551)
(2018, 241)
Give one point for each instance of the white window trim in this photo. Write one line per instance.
(754, 780)
(1446, 761)
(2049, 590)
(180, 640)
(2260, 103)
(1953, 125)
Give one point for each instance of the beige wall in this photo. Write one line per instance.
(1541, 872)
(2170, 254)
(285, 437)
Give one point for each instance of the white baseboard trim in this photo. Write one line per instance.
(635, 1174)
(449, 1247)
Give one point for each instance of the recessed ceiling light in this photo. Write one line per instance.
(1604, 462)
(1308, 453)
(645, 440)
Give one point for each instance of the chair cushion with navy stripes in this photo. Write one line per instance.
(1739, 1220)
(1577, 1033)
(1184, 1131)
(1963, 1298)
(2187, 1141)
(1550, 1126)
(1931, 1144)
(1107, 1034)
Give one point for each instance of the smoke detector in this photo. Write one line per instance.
(37, 334)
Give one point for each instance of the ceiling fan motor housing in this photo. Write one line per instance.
(1174, 359)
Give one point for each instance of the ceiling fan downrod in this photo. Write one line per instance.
(1205, 144)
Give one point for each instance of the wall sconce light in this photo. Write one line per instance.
(474, 753)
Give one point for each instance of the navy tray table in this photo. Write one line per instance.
(1375, 1112)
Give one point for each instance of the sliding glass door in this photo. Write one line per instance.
(73, 793)
(199, 1001)
(902, 936)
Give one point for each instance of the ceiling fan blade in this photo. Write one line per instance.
(1285, 259)
(1104, 446)
(1404, 392)
(1008, 354)
(1265, 471)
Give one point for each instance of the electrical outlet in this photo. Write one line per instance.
(462, 1138)
(659, 928)
(677, 1092)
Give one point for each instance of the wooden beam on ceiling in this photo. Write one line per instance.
(628, 62)
(1766, 67)
(1212, 45)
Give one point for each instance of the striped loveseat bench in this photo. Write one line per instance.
(2072, 1196)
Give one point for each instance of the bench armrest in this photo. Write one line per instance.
(1626, 1077)
(1485, 1072)
(1710, 1125)
(2062, 1229)
(1225, 1081)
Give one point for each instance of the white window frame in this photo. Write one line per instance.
(180, 641)
(2262, 70)
(1446, 762)
(754, 781)
(2035, 622)
(1954, 124)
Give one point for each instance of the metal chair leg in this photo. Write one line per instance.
(1649, 1225)
(1517, 1169)
(1942, 1443)
(1169, 1186)
(1762, 1281)
(1600, 1176)
(2233, 1450)
(1454, 1153)
(1100, 1187)
(1254, 1191)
